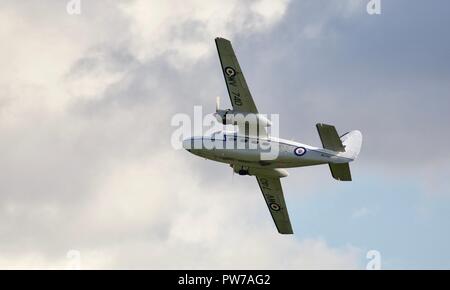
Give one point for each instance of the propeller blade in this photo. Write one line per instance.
(217, 104)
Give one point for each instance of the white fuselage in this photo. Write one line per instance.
(260, 152)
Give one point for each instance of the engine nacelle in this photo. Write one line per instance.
(221, 116)
(263, 121)
(270, 172)
(229, 117)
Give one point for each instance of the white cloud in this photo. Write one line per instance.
(361, 212)
(182, 30)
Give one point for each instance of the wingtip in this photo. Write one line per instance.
(218, 38)
(285, 230)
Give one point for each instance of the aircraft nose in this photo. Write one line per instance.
(187, 144)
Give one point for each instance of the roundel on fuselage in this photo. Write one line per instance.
(300, 151)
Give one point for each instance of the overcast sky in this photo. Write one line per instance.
(86, 162)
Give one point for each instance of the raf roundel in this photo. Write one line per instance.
(275, 206)
(300, 151)
(229, 71)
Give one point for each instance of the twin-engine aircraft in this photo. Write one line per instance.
(250, 152)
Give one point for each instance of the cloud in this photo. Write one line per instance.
(183, 30)
(361, 212)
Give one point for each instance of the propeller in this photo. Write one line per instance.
(217, 104)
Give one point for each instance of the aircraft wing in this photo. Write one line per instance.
(273, 194)
(240, 96)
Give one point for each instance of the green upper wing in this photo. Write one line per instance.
(240, 96)
(273, 194)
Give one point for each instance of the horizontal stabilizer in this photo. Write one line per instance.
(330, 138)
(340, 171)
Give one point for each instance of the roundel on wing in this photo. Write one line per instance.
(300, 151)
(275, 206)
(229, 71)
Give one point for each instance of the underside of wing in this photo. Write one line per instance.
(240, 96)
(273, 195)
